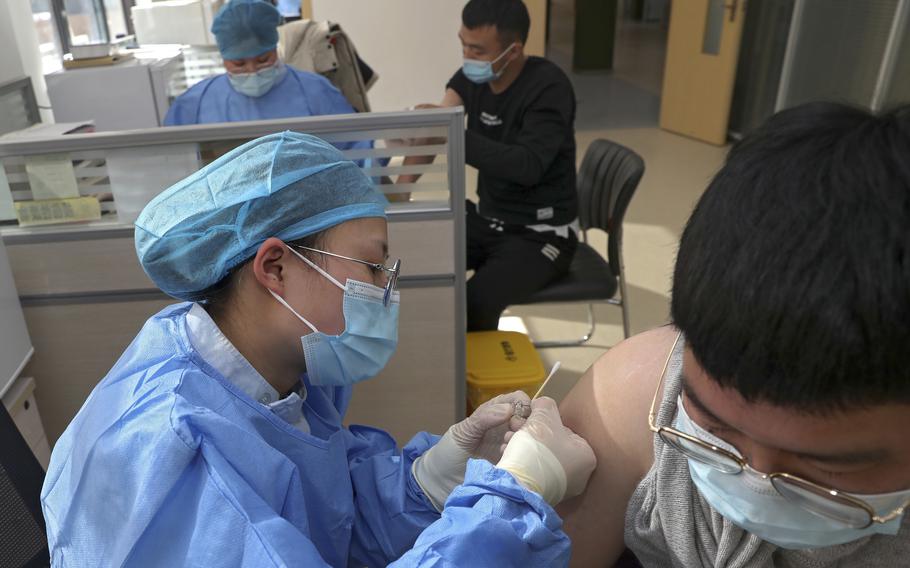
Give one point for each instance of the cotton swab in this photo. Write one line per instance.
(550, 376)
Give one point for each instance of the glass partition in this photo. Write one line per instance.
(105, 179)
(18, 107)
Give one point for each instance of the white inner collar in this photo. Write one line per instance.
(221, 354)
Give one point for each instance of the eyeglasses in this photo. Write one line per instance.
(392, 273)
(817, 499)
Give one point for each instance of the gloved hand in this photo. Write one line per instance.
(546, 457)
(481, 435)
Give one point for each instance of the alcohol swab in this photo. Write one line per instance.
(550, 376)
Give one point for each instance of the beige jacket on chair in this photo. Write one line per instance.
(324, 48)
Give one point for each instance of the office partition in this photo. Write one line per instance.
(85, 295)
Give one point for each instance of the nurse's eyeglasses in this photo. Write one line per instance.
(825, 502)
(391, 273)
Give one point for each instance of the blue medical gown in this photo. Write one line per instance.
(299, 93)
(169, 464)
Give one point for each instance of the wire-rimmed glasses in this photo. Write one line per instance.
(823, 501)
(392, 273)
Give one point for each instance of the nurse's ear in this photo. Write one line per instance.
(270, 265)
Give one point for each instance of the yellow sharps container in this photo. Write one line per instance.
(499, 362)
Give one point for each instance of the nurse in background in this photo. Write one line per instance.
(257, 85)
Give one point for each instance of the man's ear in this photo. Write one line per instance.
(270, 264)
(516, 51)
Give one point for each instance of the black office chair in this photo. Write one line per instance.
(23, 535)
(607, 180)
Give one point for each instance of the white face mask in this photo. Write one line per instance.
(750, 501)
(258, 83)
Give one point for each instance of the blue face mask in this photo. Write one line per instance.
(368, 341)
(482, 71)
(258, 83)
(751, 502)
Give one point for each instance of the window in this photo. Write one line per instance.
(116, 12)
(48, 38)
(86, 22)
(64, 23)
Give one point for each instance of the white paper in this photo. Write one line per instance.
(49, 130)
(139, 174)
(7, 209)
(51, 176)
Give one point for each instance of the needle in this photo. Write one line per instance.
(550, 376)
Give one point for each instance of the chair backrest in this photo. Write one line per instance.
(608, 177)
(23, 534)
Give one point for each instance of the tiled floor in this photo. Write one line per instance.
(623, 106)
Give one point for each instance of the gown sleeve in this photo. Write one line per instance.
(324, 99)
(491, 520)
(391, 509)
(185, 108)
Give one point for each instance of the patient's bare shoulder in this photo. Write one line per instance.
(609, 408)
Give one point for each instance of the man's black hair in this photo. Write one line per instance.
(510, 17)
(792, 282)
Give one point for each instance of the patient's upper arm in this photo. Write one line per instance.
(609, 407)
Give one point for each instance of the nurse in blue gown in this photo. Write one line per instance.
(217, 437)
(257, 85)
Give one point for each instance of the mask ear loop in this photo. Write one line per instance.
(293, 311)
(501, 55)
(318, 269)
(504, 52)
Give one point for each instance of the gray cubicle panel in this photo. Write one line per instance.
(18, 106)
(15, 344)
(85, 296)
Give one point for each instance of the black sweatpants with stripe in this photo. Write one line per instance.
(510, 263)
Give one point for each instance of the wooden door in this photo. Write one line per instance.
(702, 52)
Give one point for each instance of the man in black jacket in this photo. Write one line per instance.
(521, 138)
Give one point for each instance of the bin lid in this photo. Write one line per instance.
(502, 359)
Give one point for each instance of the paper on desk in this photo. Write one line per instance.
(51, 211)
(51, 176)
(7, 209)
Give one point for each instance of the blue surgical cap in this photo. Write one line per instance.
(246, 28)
(285, 185)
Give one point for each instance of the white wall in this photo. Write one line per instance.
(412, 44)
(19, 48)
(10, 62)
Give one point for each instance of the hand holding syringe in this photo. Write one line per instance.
(522, 409)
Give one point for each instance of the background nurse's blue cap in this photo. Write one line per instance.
(285, 185)
(246, 28)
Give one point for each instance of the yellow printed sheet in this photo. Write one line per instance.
(51, 211)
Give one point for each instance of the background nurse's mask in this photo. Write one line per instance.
(260, 82)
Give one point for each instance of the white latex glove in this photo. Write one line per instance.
(481, 435)
(546, 457)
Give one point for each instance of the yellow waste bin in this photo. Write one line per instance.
(500, 362)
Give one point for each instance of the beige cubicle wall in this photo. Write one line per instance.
(85, 295)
